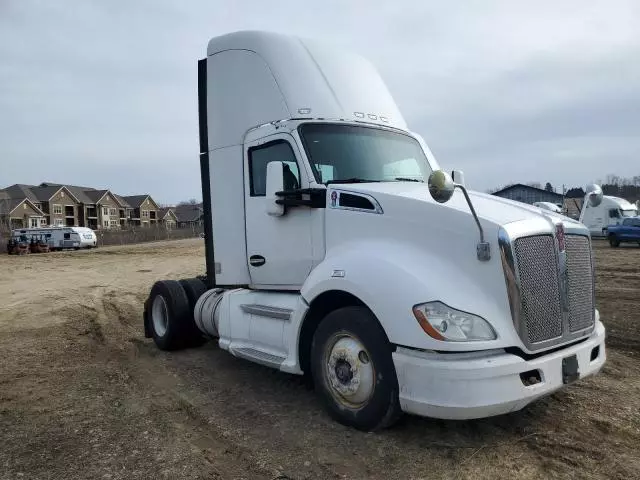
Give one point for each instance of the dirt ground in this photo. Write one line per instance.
(84, 395)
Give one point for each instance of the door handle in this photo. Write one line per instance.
(257, 260)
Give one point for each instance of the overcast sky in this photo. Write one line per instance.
(103, 93)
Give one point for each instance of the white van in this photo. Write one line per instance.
(611, 211)
(59, 238)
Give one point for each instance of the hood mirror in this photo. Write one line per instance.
(594, 195)
(458, 177)
(441, 186)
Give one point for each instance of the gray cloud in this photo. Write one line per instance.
(104, 93)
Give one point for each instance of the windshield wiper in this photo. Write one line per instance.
(403, 179)
(351, 180)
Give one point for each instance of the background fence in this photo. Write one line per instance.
(129, 235)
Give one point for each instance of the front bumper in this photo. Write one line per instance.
(484, 384)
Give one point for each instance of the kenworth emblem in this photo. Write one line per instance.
(562, 267)
(560, 236)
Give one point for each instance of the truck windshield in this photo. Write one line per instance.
(629, 212)
(349, 153)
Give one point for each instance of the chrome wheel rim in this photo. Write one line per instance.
(160, 315)
(348, 371)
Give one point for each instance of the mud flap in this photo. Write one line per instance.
(145, 319)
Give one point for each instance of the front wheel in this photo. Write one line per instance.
(613, 241)
(353, 370)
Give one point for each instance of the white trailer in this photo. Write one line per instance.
(59, 238)
(337, 248)
(611, 211)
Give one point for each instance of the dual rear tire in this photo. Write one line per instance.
(168, 314)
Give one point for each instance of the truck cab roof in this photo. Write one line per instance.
(257, 77)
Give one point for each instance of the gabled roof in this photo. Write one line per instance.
(8, 205)
(20, 191)
(95, 195)
(526, 187)
(188, 212)
(44, 194)
(78, 191)
(121, 200)
(136, 200)
(163, 212)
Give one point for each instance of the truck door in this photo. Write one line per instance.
(279, 249)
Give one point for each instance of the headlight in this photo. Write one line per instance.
(445, 323)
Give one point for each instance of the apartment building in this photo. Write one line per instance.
(72, 205)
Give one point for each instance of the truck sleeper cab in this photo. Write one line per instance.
(337, 248)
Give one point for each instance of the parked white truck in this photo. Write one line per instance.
(610, 211)
(337, 248)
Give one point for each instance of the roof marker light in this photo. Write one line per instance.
(359, 114)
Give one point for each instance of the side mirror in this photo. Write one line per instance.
(594, 195)
(458, 177)
(441, 186)
(275, 183)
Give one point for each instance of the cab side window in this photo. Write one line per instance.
(614, 213)
(67, 236)
(259, 157)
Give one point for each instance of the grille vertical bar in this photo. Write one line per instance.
(581, 283)
(537, 262)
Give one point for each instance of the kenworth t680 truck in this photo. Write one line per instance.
(337, 248)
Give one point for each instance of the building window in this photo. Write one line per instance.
(57, 209)
(105, 211)
(34, 222)
(59, 222)
(145, 213)
(43, 222)
(114, 223)
(112, 211)
(105, 223)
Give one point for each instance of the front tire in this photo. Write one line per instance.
(613, 241)
(353, 370)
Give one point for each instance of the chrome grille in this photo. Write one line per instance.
(580, 273)
(537, 262)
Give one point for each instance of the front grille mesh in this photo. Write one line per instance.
(539, 289)
(541, 317)
(581, 308)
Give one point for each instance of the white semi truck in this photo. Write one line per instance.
(337, 248)
(611, 210)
